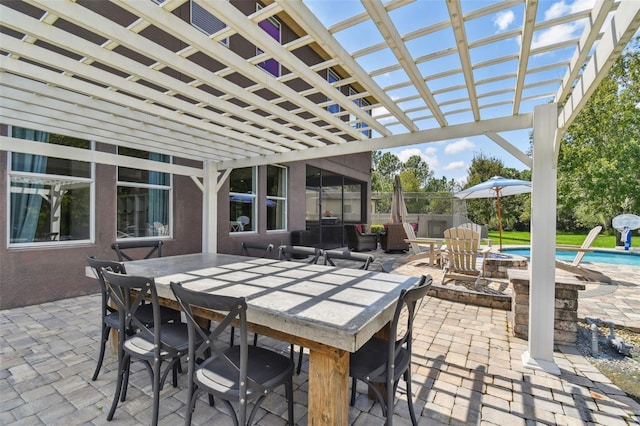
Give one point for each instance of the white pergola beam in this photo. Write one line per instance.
(388, 30)
(623, 26)
(460, 34)
(250, 30)
(510, 148)
(504, 124)
(126, 65)
(301, 14)
(71, 153)
(589, 36)
(528, 25)
(65, 116)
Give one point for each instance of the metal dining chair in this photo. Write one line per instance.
(237, 375)
(153, 345)
(124, 249)
(254, 249)
(109, 313)
(286, 252)
(350, 257)
(384, 361)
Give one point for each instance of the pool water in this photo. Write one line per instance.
(611, 257)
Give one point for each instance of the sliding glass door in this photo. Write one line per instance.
(332, 200)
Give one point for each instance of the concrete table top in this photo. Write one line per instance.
(338, 307)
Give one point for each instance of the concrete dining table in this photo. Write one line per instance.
(329, 310)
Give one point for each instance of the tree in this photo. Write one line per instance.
(516, 209)
(599, 163)
(419, 168)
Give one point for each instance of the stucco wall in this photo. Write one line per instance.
(35, 275)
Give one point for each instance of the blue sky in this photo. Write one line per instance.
(451, 158)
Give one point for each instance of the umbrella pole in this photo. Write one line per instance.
(499, 219)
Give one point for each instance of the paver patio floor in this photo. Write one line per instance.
(467, 370)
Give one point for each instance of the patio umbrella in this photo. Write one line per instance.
(398, 206)
(496, 187)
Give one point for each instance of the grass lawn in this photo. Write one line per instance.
(524, 238)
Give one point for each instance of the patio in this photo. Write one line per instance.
(467, 370)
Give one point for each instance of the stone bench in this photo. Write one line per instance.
(566, 306)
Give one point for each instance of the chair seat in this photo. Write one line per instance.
(112, 320)
(173, 335)
(265, 367)
(373, 356)
(145, 314)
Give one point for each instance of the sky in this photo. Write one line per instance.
(452, 158)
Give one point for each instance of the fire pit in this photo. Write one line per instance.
(497, 264)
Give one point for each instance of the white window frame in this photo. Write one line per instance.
(92, 200)
(169, 187)
(332, 74)
(204, 12)
(254, 197)
(284, 199)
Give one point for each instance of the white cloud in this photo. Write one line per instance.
(562, 8)
(430, 150)
(564, 31)
(459, 146)
(377, 112)
(502, 20)
(556, 34)
(428, 155)
(455, 165)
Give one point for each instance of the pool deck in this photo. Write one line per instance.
(617, 302)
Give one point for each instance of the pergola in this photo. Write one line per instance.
(68, 68)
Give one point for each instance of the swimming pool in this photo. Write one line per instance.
(597, 256)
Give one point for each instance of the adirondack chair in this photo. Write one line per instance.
(422, 247)
(574, 267)
(462, 255)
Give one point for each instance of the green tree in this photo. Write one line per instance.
(515, 209)
(419, 168)
(483, 210)
(599, 164)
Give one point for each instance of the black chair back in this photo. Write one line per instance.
(153, 344)
(349, 256)
(385, 360)
(97, 265)
(406, 302)
(123, 287)
(154, 246)
(233, 309)
(299, 252)
(255, 249)
(227, 369)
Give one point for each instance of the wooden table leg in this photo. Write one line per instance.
(432, 254)
(328, 386)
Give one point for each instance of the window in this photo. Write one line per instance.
(143, 198)
(272, 27)
(206, 22)
(50, 199)
(276, 198)
(332, 77)
(364, 126)
(242, 200)
(362, 103)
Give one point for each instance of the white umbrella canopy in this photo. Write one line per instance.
(398, 206)
(496, 187)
